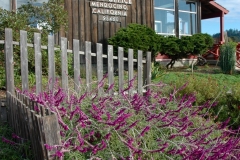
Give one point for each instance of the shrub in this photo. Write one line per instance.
(137, 37)
(170, 47)
(176, 49)
(202, 42)
(153, 126)
(227, 59)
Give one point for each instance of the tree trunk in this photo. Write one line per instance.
(171, 63)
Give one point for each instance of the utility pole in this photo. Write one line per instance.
(13, 5)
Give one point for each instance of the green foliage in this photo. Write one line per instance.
(202, 42)
(156, 71)
(186, 45)
(15, 21)
(170, 46)
(177, 49)
(227, 57)
(51, 16)
(210, 87)
(51, 13)
(13, 152)
(137, 37)
(180, 48)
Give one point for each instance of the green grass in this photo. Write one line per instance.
(222, 79)
(209, 86)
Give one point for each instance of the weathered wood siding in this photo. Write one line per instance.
(86, 26)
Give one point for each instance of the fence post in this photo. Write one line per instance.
(64, 63)
(51, 62)
(140, 72)
(51, 132)
(76, 63)
(24, 59)
(130, 70)
(8, 50)
(147, 70)
(99, 67)
(38, 62)
(120, 69)
(110, 68)
(88, 60)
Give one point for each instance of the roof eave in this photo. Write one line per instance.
(224, 10)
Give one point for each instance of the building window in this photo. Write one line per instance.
(165, 10)
(164, 17)
(35, 3)
(187, 5)
(187, 17)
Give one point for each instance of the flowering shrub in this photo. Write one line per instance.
(149, 126)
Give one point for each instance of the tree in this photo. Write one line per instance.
(233, 35)
(51, 16)
(177, 49)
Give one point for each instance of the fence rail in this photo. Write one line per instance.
(42, 127)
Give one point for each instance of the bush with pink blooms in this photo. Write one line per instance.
(149, 126)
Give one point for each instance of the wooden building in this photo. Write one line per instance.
(97, 20)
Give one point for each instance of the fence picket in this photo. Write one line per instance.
(8, 50)
(31, 133)
(110, 68)
(76, 63)
(64, 63)
(130, 70)
(140, 72)
(25, 128)
(38, 62)
(51, 131)
(88, 61)
(148, 68)
(51, 62)
(35, 139)
(24, 60)
(41, 137)
(99, 66)
(120, 69)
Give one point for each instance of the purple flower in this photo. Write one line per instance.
(36, 108)
(107, 137)
(59, 154)
(15, 136)
(147, 128)
(8, 141)
(161, 149)
(48, 147)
